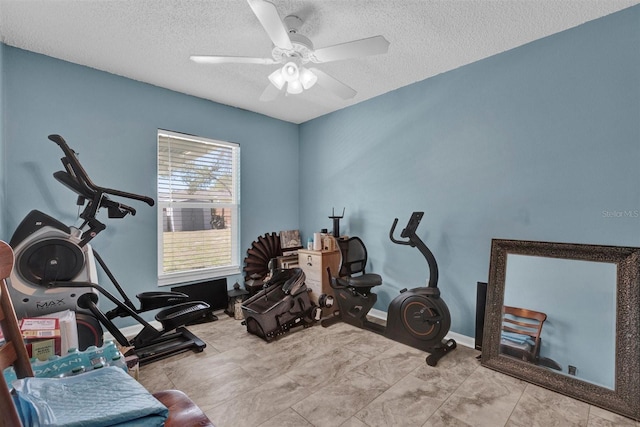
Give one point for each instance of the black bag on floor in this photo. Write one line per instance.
(283, 304)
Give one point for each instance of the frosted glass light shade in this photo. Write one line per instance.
(294, 87)
(277, 78)
(307, 78)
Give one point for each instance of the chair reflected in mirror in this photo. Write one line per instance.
(521, 335)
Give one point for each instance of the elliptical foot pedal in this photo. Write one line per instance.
(209, 317)
(180, 341)
(181, 314)
(160, 299)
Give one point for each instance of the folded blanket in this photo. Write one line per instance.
(103, 397)
(517, 338)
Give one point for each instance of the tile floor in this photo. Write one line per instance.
(344, 376)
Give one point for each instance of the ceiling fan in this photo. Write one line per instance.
(294, 51)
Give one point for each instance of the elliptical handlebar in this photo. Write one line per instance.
(77, 173)
(409, 232)
(117, 209)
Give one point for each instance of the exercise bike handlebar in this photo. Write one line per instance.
(84, 186)
(409, 232)
(399, 242)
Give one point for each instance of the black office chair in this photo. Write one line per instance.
(352, 286)
(352, 267)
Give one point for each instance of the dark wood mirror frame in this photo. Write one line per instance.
(624, 399)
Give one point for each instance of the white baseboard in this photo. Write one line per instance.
(462, 339)
(458, 338)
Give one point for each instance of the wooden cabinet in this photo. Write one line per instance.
(315, 264)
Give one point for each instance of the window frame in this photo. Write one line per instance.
(206, 273)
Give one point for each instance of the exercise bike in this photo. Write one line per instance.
(417, 317)
(56, 269)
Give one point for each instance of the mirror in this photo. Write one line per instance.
(587, 297)
(578, 299)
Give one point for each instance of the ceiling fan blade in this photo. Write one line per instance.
(268, 16)
(271, 93)
(334, 85)
(363, 47)
(212, 59)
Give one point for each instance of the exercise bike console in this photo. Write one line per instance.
(410, 229)
(417, 317)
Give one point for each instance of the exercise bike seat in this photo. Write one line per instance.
(362, 283)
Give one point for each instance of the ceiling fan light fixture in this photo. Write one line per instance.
(307, 78)
(277, 79)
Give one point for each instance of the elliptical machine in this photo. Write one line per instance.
(417, 317)
(55, 269)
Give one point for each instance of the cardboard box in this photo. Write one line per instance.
(41, 336)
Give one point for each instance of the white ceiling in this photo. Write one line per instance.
(151, 40)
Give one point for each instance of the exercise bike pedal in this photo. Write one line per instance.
(424, 316)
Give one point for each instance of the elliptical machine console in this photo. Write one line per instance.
(417, 317)
(56, 269)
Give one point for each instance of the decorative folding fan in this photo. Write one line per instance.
(262, 250)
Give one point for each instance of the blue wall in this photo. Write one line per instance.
(112, 122)
(537, 143)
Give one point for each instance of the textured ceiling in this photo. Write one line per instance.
(151, 40)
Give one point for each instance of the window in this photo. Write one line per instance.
(198, 208)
